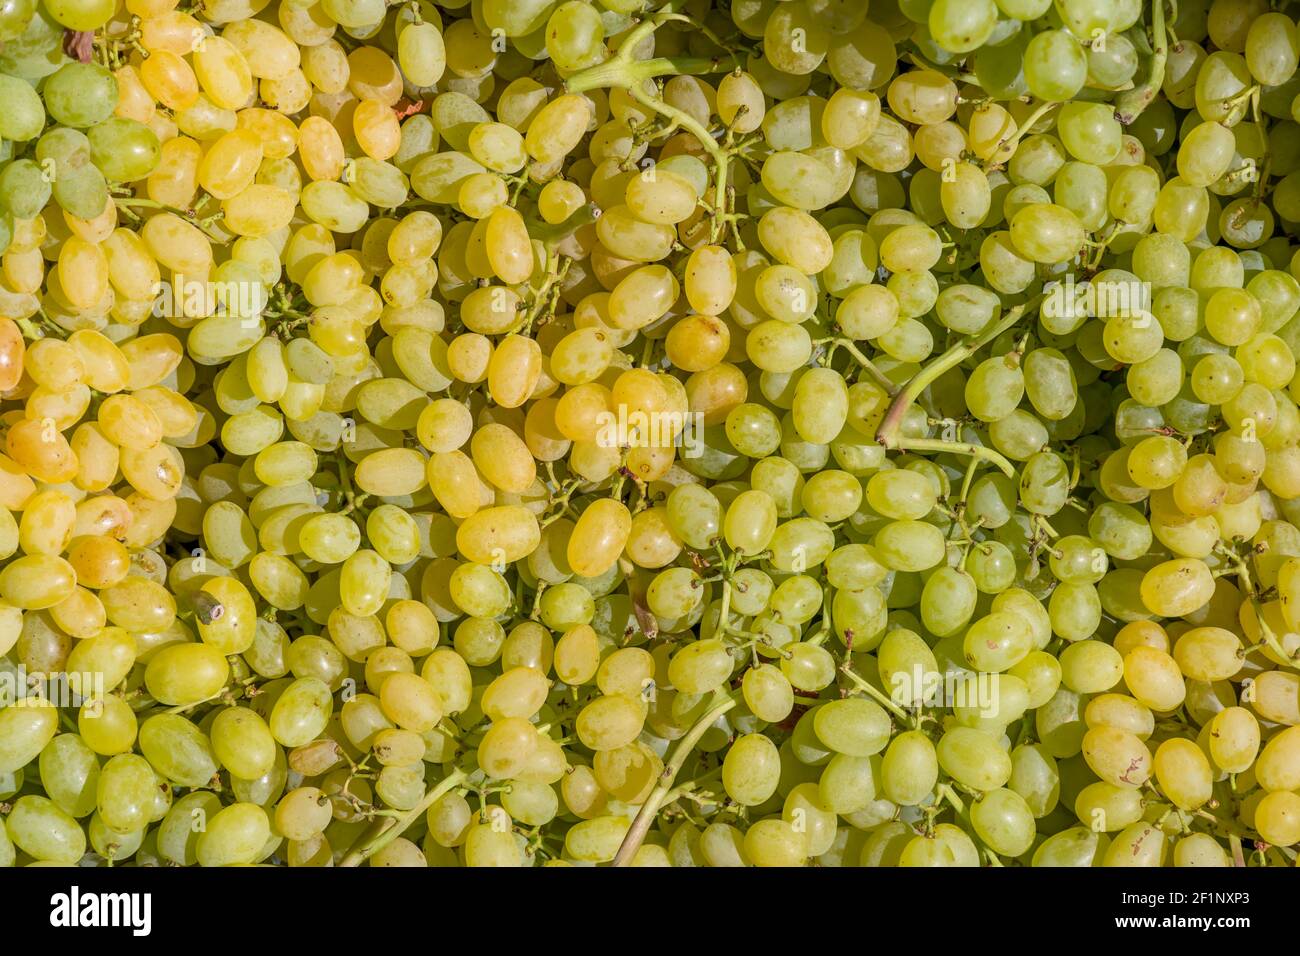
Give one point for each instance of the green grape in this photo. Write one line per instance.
(1050, 383)
(1055, 66)
(1004, 821)
(70, 774)
(1205, 154)
(1044, 483)
(996, 642)
(44, 832)
(909, 769)
(1222, 76)
(853, 726)
(948, 601)
(1036, 778)
(234, 835)
(24, 188)
(1047, 233)
(974, 759)
(790, 55)
(81, 94)
(1077, 846)
(1112, 63)
(122, 149)
(14, 17)
(125, 793)
(422, 53)
(901, 494)
(751, 770)
(849, 784)
(1089, 131)
(177, 750)
(992, 566)
(28, 727)
(1107, 807)
(961, 27)
(25, 114)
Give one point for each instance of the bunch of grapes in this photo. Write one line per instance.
(686, 433)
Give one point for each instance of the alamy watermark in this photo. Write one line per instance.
(187, 297)
(948, 689)
(624, 429)
(1067, 299)
(20, 687)
(73, 909)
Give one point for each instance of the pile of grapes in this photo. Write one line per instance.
(687, 433)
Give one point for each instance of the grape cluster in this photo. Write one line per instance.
(691, 433)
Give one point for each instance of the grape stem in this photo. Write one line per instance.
(1129, 105)
(385, 831)
(889, 433)
(560, 497)
(843, 342)
(1271, 638)
(1225, 826)
(709, 34)
(690, 786)
(959, 808)
(978, 452)
(181, 708)
(720, 158)
(1238, 566)
(724, 615)
(966, 482)
(1014, 139)
(628, 72)
(622, 71)
(350, 500)
(552, 234)
(636, 834)
(39, 330)
(546, 298)
(1238, 857)
(871, 690)
(127, 203)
